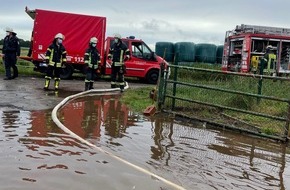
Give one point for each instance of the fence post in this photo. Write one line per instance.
(286, 132)
(260, 83)
(160, 95)
(174, 80)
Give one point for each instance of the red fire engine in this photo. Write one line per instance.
(78, 29)
(246, 45)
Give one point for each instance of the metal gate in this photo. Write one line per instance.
(255, 104)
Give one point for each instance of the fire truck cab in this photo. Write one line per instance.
(246, 45)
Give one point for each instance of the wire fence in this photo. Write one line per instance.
(246, 102)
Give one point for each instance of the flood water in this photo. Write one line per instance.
(36, 154)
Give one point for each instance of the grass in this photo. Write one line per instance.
(279, 89)
(24, 67)
(137, 99)
(240, 84)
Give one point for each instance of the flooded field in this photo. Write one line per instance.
(36, 154)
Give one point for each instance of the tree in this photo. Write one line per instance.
(21, 42)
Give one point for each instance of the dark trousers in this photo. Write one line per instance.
(90, 75)
(53, 71)
(117, 71)
(10, 62)
(90, 78)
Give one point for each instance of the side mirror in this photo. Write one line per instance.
(153, 56)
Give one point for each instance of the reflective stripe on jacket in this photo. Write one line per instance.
(56, 55)
(117, 53)
(92, 57)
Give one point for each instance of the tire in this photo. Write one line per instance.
(152, 76)
(67, 72)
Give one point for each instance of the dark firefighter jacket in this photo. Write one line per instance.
(11, 45)
(117, 53)
(92, 57)
(56, 55)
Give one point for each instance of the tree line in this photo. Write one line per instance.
(22, 43)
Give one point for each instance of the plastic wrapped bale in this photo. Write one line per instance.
(219, 53)
(185, 50)
(206, 53)
(166, 50)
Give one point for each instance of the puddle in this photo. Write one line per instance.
(36, 154)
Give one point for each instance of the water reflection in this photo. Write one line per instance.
(161, 151)
(197, 156)
(38, 155)
(86, 115)
(115, 118)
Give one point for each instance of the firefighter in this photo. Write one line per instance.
(270, 60)
(92, 60)
(55, 58)
(10, 51)
(119, 53)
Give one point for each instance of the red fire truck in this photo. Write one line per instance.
(78, 29)
(246, 45)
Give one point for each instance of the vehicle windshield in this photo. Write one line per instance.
(141, 50)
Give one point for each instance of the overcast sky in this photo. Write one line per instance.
(203, 21)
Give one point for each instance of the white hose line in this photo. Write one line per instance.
(60, 125)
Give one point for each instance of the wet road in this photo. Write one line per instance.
(36, 154)
(26, 93)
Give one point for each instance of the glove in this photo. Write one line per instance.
(127, 58)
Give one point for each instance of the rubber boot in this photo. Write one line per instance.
(47, 82)
(122, 88)
(113, 85)
(56, 83)
(122, 84)
(87, 86)
(91, 85)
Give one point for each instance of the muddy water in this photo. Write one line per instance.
(36, 154)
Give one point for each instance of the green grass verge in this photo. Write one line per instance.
(24, 67)
(137, 99)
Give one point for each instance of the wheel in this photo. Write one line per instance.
(67, 72)
(152, 76)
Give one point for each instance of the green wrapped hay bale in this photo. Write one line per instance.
(167, 48)
(185, 50)
(206, 53)
(219, 53)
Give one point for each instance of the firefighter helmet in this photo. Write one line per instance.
(59, 35)
(9, 29)
(269, 47)
(94, 40)
(118, 36)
